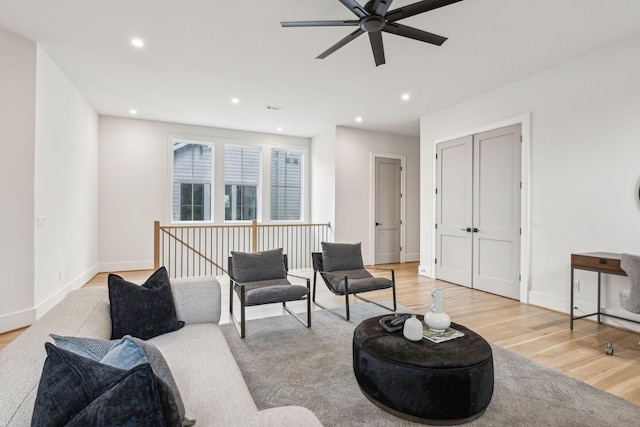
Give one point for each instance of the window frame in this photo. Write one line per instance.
(206, 144)
(259, 187)
(303, 188)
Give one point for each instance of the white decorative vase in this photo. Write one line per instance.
(436, 319)
(412, 329)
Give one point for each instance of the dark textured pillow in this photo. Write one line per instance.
(122, 354)
(75, 390)
(341, 256)
(255, 266)
(143, 311)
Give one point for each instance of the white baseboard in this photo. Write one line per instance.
(411, 257)
(424, 270)
(16, 320)
(76, 283)
(108, 267)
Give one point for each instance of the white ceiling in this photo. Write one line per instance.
(201, 53)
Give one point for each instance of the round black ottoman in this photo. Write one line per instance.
(445, 383)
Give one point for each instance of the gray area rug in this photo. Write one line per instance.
(286, 364)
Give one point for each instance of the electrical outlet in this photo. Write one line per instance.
(576, 286)
(41, 221)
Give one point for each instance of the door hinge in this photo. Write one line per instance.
(519, 277)
(401, 195)
(436, 191)
(520, 138)
(436, 226)
(521, 231)
(436, 260)
(401, 168)
(400, 248)
(400, 222)
(436, 156)
(521, 185)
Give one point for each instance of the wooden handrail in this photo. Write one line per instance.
(188, 249)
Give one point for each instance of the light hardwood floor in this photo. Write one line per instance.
(536, 333)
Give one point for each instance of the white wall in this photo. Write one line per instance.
(353, 184)
(134, 185)
(323, 177)
(17, 126)
(585, 124)
(66, 186)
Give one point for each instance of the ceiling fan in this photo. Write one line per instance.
(374, 18)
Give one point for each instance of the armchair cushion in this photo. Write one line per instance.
(257, 266)
(341, 256)
(359, 281)
(270, 291)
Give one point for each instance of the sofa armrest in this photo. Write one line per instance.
(197, 299)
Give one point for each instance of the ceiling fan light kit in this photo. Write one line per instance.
(375, 18)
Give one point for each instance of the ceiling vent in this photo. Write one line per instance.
(274, 108)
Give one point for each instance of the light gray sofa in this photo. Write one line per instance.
(208, 378)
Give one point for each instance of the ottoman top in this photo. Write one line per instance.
(469, 350)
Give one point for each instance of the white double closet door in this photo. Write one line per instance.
(478, 211)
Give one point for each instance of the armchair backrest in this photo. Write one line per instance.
(316, 258)
(255, 266)
(341, 256)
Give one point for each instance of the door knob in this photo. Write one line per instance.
(468, 229)
(377, 224)
(475, 230)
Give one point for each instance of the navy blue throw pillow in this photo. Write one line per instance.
(77, 391)
(142, 311)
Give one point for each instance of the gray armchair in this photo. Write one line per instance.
(342, 270)
(630, 298)
(259, 278)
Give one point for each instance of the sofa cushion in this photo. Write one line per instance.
(254, 266)
(143, 311)
(75, 386)
(341, 256)
(125, 354)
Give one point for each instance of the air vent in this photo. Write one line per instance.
(274, 108)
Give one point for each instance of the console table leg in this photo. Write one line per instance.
(598, 310)
(571, 308)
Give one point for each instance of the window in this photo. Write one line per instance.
(241, 183)
(192, 179)
(286, 185)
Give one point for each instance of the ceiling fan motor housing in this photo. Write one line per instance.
(372, 23)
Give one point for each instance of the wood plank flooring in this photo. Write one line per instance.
(536, 333)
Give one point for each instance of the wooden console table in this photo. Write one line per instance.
(600, 262)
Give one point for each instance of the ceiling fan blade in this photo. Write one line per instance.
(380, 7)
(413, 33)
(417, 8)
(341, 43)
(354, 7)
(375, 38)
(350, 23)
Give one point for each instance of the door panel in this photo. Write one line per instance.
(388, 213)
(454, 211)
(478, 211)
(496, 214)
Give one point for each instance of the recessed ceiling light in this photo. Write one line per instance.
(280, 129)
(358, 119)
(137, 42)
(133, 111)
(405, 96)
(235, 100)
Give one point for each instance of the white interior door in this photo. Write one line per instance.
(496, 211)
(478, 211)
(454, 211)
(388, 211)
